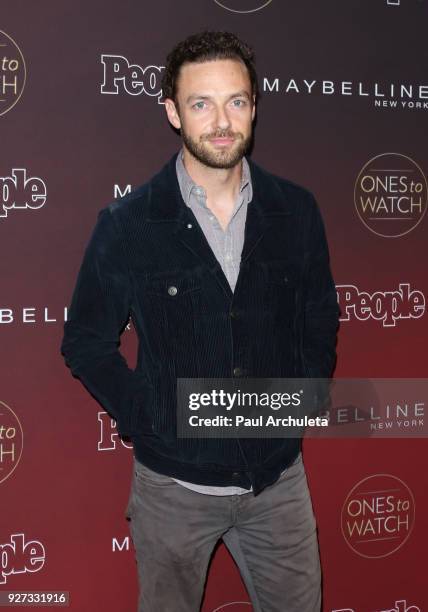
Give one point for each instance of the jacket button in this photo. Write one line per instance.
(234, 314)
(238, 371)
(235, 474)
(172, 290)
(285, 279)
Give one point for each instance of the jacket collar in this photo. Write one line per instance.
(167, 206)
(166, 203)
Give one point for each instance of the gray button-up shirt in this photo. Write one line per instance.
(227, 247)
(226, 244)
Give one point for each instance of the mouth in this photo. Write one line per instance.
(222, 141)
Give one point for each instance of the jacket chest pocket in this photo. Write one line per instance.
(282, 281)
(171, 305)
(283, 274)
(171, 298)
(173, 288)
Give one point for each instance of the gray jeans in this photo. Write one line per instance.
(272, 538)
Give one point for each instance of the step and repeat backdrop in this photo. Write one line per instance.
(343, 111)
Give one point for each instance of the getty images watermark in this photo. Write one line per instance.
(296, 407)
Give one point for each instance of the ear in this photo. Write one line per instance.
(171, 111)
(253, 110)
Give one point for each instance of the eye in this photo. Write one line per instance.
(199, 105)
(238, 103)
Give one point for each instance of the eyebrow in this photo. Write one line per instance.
(238, 94)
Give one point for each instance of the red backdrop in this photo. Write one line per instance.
(343, 112)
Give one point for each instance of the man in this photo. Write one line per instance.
(224, 269)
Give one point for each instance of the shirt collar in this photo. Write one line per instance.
(187, 185)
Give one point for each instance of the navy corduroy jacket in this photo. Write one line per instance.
(281, 320)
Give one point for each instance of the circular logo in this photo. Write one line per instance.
(234, 606)
(243, 6)
(12, 73)
(390, 195)
(11, 441)
(378, 516)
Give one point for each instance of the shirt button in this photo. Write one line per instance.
(172, 290)
(189, 226)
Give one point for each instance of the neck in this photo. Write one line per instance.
(220, 184)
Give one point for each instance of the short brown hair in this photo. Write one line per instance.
(204, 47)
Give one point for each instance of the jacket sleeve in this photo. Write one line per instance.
(321, 310)
(99, 310)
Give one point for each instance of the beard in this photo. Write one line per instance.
(222, 158)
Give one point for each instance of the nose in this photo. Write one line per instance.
(222, 119)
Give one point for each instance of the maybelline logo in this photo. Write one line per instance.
(19, 556)
(120, 76)
(404, 417)
(385, 306)
(19, 192)
(119, 546)
(33, 315)
(119, 192)
(391, 95)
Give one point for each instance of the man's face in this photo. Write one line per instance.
(214, 111)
